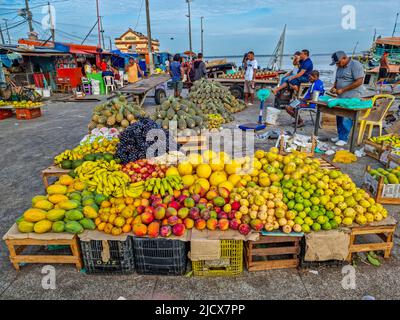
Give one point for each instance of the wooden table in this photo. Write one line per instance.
(52, 171)
(353, 114)
(141, 88)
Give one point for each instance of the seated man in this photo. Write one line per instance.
(317, 85)
(306, 66)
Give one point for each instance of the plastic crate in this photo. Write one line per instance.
(121, 257)
(160, 256)
(4, 114)
(27, 114)
(231, 250)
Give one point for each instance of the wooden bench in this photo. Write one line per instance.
(17, 242)
(52, 171)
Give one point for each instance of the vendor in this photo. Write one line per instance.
(87, 67)
(348, 84)
(132, 69)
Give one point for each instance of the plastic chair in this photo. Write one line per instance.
(86, 86)
(109, 83)
(375, 115)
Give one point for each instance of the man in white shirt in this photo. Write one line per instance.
(249, 77)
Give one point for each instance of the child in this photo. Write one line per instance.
(317, 85)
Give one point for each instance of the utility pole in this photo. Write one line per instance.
(190, 26)
(395, 24)
(98, 24)
(28, 16)
(102, 31)
(53, 34)
(149, 42)
(110, 43)
(202, 36)
(2, 37)
(8, 32)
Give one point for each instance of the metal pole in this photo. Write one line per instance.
(149, 42)
(102, 31)
(98, 24)
(2, 37)
(395, 24)
(53, 34)
(8, 32)
(28, 16)
(110, 43)
(202, 36)
(190, 26)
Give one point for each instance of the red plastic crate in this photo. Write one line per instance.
(26, 114)
(4, 114)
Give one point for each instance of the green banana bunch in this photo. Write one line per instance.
(165, 185)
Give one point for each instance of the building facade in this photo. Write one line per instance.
(133, 41)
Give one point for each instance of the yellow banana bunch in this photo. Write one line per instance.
(134, 190)
(215, 121)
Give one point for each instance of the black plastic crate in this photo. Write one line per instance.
(160, 256)
(121, 257)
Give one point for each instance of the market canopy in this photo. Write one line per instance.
(30, 51)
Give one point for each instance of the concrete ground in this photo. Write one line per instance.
(29, 146)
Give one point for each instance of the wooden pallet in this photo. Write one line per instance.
(52, 171)
(192, 144)
(375, 150)
(376, 189)
(393, 159)
(385, 233)
(327, 164)
(270, 247)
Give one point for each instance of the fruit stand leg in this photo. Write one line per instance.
(389, 239)
(45, 181)
(13, 254)
(76, 252)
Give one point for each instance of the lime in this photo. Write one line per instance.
(302, 214)
(299, 199)
(330, 214)
(306, 195)
(298, 220)
(313, 215)
(307, 203)
(334, 224)
(290, 195)
(316, 226)
(322, 219)
(305, 228)
(291, 204)
(327, 226)
(298, 207)
(309, 221)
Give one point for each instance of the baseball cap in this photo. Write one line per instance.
(337, 56)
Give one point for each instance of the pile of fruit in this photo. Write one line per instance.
(67, 207)
(164, 185)
(389, 139)
(143, 169)
(26, 104)
(260, 74)
(106, 178)
(4, 103)
(133, 143)
(390, 176)
(184, 112)
(215, 121)
(118, 113)
(99, 135)
(99, 149)
(212, 96)
(344, 156)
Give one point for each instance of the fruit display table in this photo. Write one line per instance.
(353, 114)
(17, 242)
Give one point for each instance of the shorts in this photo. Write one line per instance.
(248, 88)
(383, 73)
(298, 81)
(177, 85)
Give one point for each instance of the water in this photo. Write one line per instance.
(321, 63)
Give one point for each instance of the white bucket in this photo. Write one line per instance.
(272, 115)
(46, 93)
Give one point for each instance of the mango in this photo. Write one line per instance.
(44, 205)
(68, 205)
(55, 214)
(66, 180)
(74, 215)
(56, 189)
(89, 212)
(34, 215)
(42, 226)
(25, 226)
(58, 226)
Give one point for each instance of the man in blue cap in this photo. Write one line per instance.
(348, 84)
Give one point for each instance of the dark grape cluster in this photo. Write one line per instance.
(132, 141)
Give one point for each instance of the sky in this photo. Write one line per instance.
(231, 27)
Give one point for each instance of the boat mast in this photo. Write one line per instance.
(275, 62)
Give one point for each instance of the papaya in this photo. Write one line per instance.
(89, 212)
(44, 205)
(68, 205)
(99, 198)
(87, 224)
(88, 201)
(73, 227)
(38, 198)
(56, 198)
(87, 194)
(66, 180)
(34, 215)
(75, 196)
(74, 215)
(55, 214)
(58, 226)
(56, 189)
(25, 226)
(20, 219)
(42, 226)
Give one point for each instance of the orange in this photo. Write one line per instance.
(128, 200)
(116, 231)
(126, 228)
(106, 204)
(97, 221)
(101, 226)
(146, 195)
(108, 228)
